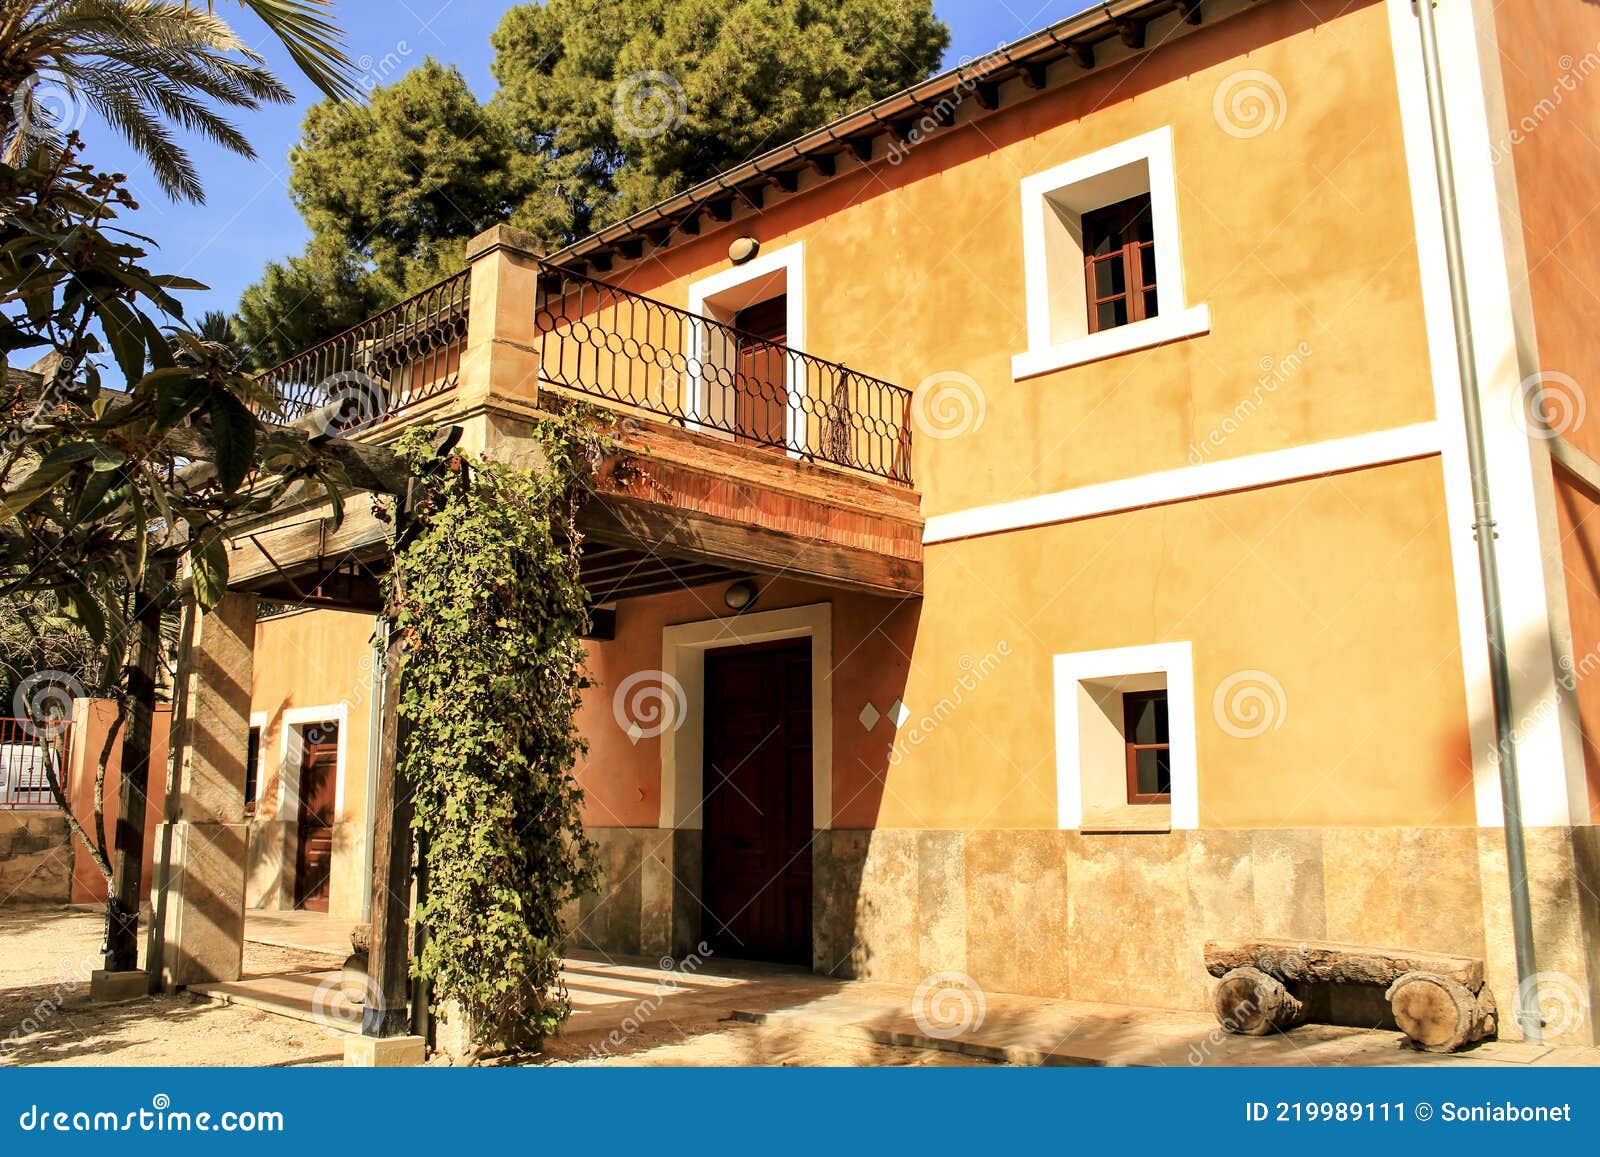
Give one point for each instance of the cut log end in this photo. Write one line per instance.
(1439, 1014)
(1248, 1002)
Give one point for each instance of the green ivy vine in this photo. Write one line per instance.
(491, 610)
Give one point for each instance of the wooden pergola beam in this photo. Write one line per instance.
(369, 467)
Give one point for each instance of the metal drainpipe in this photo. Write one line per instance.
(374, 727)
(1483, 527)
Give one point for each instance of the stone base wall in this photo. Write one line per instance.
(1123, 918)
(35, 858)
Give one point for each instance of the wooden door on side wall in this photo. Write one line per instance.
(756, 822)
(319, 767)
(761, 395)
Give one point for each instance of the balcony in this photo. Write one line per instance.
(646, 357)
(388, 367)
(746, 457)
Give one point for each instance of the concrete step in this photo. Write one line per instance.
(313, 997)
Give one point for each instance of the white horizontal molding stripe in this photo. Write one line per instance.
(1312, 460)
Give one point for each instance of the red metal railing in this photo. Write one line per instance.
(29, 749)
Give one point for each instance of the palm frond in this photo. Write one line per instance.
(313, 42)
(149, 66)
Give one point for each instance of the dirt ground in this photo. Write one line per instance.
(46, 1018)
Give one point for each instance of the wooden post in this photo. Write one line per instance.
(122, 905)
(389, 961)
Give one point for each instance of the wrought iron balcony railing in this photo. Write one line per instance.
(624, 349)
(374, 371)
(605, 342)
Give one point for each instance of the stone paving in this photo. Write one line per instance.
(633, 1012)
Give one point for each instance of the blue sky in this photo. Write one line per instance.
(249, 220)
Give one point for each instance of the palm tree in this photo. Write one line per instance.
(145, 66)
(216, 328)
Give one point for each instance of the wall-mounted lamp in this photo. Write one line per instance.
(742, 249)
(740, 596)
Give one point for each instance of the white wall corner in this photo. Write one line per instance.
(1493, 258)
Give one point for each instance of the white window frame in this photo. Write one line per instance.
(1174, 664)
(1052, 248)
(291, 749)
(683, 663)
(721, 296)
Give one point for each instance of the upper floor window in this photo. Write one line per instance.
(1101, 259)
(1119, 257)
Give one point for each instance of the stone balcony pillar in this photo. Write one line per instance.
(197, 895)
(500, 364)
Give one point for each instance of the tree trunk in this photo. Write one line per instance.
(122, 905)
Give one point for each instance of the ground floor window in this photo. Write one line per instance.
(1125, 739)
(1146, 732)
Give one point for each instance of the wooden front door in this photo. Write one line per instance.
(319, 763)
(757, 816)
(760, 392)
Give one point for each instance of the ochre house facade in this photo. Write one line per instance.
(1186, 637)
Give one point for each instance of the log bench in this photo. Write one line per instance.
(1439, 1001)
